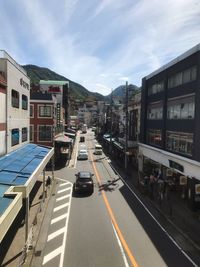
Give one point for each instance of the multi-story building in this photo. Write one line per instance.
(21, 163)
(170, 128)
(14, 99)
(42, 118)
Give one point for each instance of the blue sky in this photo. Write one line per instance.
(100, 44)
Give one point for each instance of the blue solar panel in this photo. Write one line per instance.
(21, 163)
(4, 203)
(3, 189)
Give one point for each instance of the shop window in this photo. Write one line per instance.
(24, 134)
(45, 133)
(155, 111)
(182, 77)
(14, 137)
(24, 102)
(154, 137)
(15, 99)
(45, 111)
(181, 108)
(179, 142)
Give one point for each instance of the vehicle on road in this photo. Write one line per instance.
(98, 150)
(82, 154)
(84, 182)
(82, 138)
(84, 128)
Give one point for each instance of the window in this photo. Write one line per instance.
(182, 108)
(155, 111)
(45, 111)
(14, 137)
(15, 99)
(31, 133)
(31, 111)
(24, 134)
(24, 102)
(179, 142)
(182, 77)
(154, 137)
(156, 88)
(45, 133)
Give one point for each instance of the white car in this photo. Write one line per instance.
(82, 154)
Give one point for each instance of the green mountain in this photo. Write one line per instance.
(77, 91)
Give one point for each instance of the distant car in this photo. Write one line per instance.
(82, 154)
(84, 182)
(82, 138)
(98, 150)
(93, 129)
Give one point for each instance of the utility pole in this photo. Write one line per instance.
(110, 148)
(126, 128)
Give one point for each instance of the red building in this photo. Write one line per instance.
(42, 118)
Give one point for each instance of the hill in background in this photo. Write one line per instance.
(77, 91)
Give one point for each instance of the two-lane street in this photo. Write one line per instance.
(111, 227)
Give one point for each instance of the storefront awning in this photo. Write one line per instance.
(63, 139)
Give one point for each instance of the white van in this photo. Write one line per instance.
(98, 150)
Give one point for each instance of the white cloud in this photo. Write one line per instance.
(99, 44)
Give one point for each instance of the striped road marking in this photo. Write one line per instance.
(65, 208)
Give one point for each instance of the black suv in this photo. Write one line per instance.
(84, 182)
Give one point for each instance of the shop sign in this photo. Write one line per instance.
(183, 180)
(175, 165)
(54, 89)
(197, 189)
(24, 84)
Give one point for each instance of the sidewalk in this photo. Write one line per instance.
(181, 223)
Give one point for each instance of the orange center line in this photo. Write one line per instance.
(122, 239)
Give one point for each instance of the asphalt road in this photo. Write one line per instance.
(111, 227)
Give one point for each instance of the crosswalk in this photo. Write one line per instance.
(57, 233)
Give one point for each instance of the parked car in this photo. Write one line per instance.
(82, 138)
(98, 150)
(82, 154)
(84, 182)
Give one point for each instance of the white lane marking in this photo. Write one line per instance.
(65, 234)
(63, 190)
(61, 217)
(55, 234)
(61, 207)
(63, 197)
(52, 255)
(163, 229)
(121, 247)
(63, 184)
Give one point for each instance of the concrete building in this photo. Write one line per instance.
(14, 99)
(170, 124)
(20, 162)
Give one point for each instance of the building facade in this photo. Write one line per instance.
(170, 123)
(14, 99)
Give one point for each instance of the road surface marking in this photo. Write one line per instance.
(63, 184)
(61, 207)
(63, 197)
(121, 237)
(56, 233)
(61, 217)
(65, 234)
(52, 255)
(162, 228)
(121, 247)
(63, 190)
